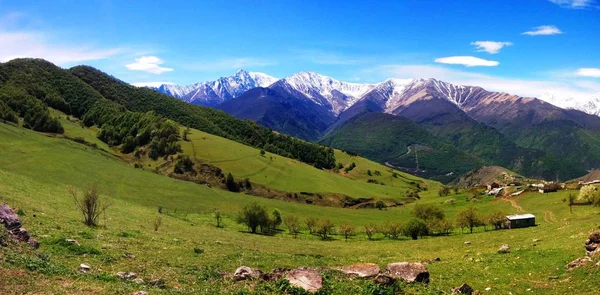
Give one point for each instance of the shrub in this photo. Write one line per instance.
(232, 186)
(254, 216)
(588, 194)
(444, 191)
(311, 223)
(416, 228)
(262, 153)
(276, 221)
(369, 172)
(218, 218)
(370, 230)
(325, 228)
(380, 205)
(293, 225)
(347, 230)
(391, 230)
(91, 204)
(186, 132)
(440, 226)
(377, 173)
(413, 194)
(184, 164)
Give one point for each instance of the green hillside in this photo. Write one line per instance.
(393, 139)
(36, 169)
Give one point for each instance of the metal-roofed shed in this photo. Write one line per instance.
(520, 220)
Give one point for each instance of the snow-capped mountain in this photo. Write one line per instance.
(323, 90)
(225, 88)
(590, 105)
(177, 91)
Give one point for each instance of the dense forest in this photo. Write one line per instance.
(129, 117)
(205, 119)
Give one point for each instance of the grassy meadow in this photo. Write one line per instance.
(36, 171)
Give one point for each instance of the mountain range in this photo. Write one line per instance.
(528, 135)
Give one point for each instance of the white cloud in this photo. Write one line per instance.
(575, 4)
(150, 64)
(588, 72)
(17, 44)
(468, 61)
(151, 84)
(581, 90)
(492, 47)
(543, 31)
(228, 64)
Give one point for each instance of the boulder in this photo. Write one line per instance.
(20, 234)
(308, 279)
(246, 273)
(361, 270)
(409, 272)
(463, 289)
(9, 218)
(504, 249)
(578, 262)
(592, 244)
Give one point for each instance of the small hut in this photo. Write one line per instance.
(520, 220)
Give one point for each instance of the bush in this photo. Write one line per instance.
(91, 204)
(391, 230)
(184, 164)
(157, 222)
(496, 219)
(276, 221)
(440, 226)
(347, 230)
(311, 224)
(254, 216)
(325, 228)
(218, 218)
(232, 186)
(293, 225)
(370, 230)
(416, 228)
(380, 205)
(444, 191)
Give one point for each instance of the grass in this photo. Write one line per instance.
(35, 171)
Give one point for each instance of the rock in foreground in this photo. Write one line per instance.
(361, 270)
(409, 272)
(308, 279)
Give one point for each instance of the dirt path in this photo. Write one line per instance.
(549, 217)
(514, 204)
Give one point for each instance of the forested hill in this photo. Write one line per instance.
(125, 112)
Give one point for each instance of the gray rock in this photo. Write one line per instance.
(308, 279)
(504, 249)
(409, 272)
(578, 262)
(9, 218)
(463, 289)
(126, 275)
(361, 270)
(383, 279)
(246, 273)
(84, 267)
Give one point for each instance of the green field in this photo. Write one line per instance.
(36, 170)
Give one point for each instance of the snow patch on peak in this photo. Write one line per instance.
(589, 105)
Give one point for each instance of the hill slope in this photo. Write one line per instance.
(393, 139)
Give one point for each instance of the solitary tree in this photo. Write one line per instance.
(325, 228)
(262, 153)
(276, 220)
(370, 230)
(588, 194)
(468, 218)
(293, 225)
(91, 204)
(391, 230)
(311, 223)
(496, 219)
(347, 230)
(232, 186)
(254, 216)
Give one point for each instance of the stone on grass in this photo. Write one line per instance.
(140, 293)
(578, 262)
(20, 234)
(409, 272)
(246, 273)
(361, 270)
(275, 274)
(504, 249)
(308, 279)
(33, 243)
(74, 242)
(467, 243)
(126, 275)
(463, 289)
(9, 218)
(84, 267)
(159, 283)
(138, 281)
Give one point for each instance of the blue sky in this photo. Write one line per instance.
(525, 47)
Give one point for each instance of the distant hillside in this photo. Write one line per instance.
(399, 141)
(594, 175)
(486, 175)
